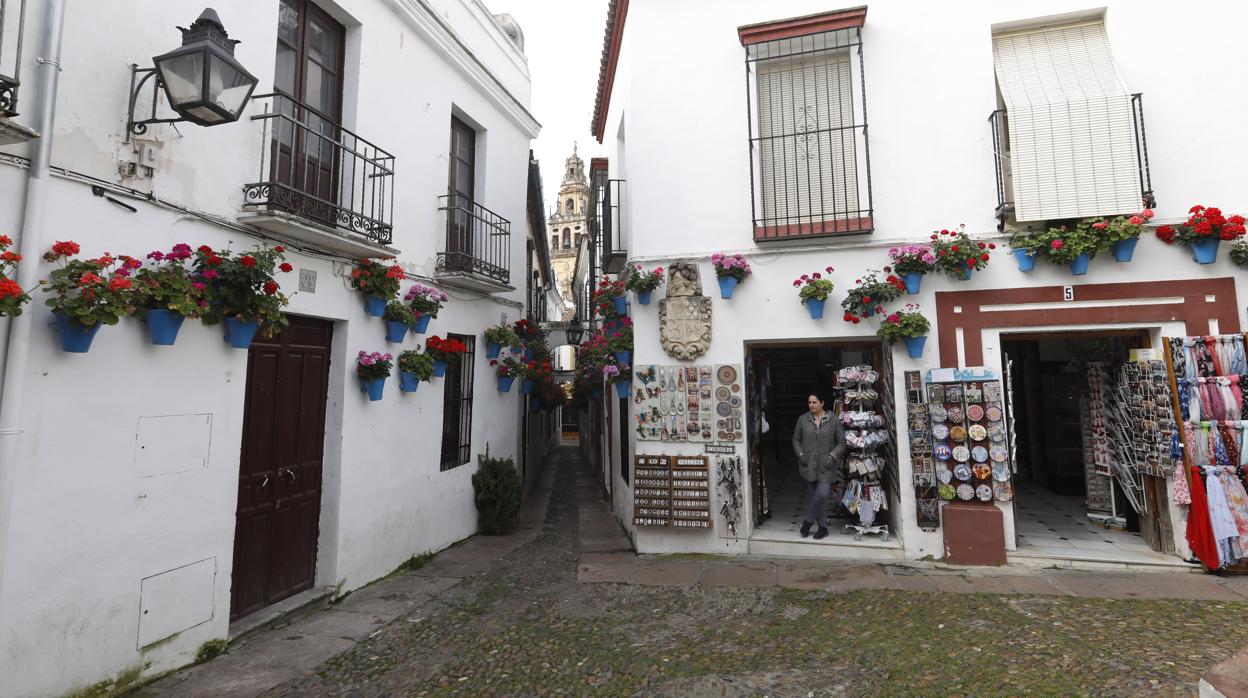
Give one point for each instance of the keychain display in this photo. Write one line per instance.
(865, 435)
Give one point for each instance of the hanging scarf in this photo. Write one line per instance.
(1199, 528)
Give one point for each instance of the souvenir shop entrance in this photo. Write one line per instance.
(780, 377)
(1082, 484)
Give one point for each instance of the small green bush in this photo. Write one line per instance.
(496, 490)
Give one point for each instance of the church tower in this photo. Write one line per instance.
(569, 223)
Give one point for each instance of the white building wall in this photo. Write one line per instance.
(680, 93)
(86, 528)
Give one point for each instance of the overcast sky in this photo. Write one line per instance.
(563, 42)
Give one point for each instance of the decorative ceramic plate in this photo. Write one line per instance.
(1001, 472)
(966, 492)
(953, 393)
(945, 491)
(980, 454)
(984, 492)
(735, 401)
(998, 453)
(974, 413)
(993, 413)
(977, 432)
(996, 432)
(722, 393)
(723, 409)
(938, 413)
(736, 387)
(982, 471)
(940, 431)
(962, 471)
(727, 374)
(936, 393)
(945, 476)
(955, 414)
(957, 433)
(961, 454)
(1003, 491)
(942, 451)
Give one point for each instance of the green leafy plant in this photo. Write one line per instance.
(957, 254)
(638, 280)
(496, 490)
(1121, 228)
(903, 324)
(871, 293)
(502, 335)
(376, 279)
(604, 297)
(374, 365)
(620, 337)
(167, 283)
(416, 362)
(12, 297)
(508, 367)
(242, 286)
(1029, 241)
(87, 291)
(814, 286)
(399, 312)
(1061, 245)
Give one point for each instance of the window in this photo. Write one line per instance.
(1070, 138)
(808, 145)
(571, 207)
(554, 242)
(567, 237)
(457, 406)
(461, 187)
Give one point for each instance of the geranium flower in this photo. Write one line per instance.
(270, 287)
(285, 266)
(8, 288)
(247, 261)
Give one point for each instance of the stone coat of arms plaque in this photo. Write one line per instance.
(685, 314)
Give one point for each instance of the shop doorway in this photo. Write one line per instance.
(1073, 498)
(779, 379)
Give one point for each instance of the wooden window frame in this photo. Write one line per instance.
(457, 405)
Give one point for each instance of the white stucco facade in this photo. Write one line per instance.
(677, 130)
(87, 521)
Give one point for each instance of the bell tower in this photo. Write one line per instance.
(568, 223)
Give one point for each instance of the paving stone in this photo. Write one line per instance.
(1105, 585)
(805, 577)
(860, 577)
(1186, 586)
(261, 664)
(911, 582)
(621, 572)
(1015, 584)
(339, 623)
(739, 574)
(1230, 677)
(669, 573)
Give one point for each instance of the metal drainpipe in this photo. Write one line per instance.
(29, 242)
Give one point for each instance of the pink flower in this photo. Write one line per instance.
(197, 285)
(1101, 225)
(1147, 213)
(1136, 220)
(1057, 244)
(817, 275)
(210, 274)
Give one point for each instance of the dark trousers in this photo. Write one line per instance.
(817, 513)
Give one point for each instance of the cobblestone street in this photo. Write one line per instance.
(523, 624)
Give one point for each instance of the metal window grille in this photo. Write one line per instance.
(606, 198)
(457, 406)
(10, 77)
(810, 165)
(625, 437)
(478, 240)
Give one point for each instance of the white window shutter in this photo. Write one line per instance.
(1072, 135)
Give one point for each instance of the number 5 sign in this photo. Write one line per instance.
(1068, 293)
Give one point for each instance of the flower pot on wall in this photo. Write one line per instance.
(914, 346)
(868, 312)
(422, 324)
(75, 336)
(239, 333)
(726, 286)
(966, 275)
(914, 281)
(1124, 249)
(815, 307)
(526, 386)
(643, 297)
(396, 331)
(439, 369)
(492, 349)
(1079, 265)
(408, 382)
(622, 388)
(1205, 251)
(535, 405)
(163, 325)
(374, 305)
(621, 305)
(1026, 260)
(504, 383)
(624, 358)
(373, 388)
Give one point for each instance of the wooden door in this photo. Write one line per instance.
(461, 186)
(305, 150)
(279, 483)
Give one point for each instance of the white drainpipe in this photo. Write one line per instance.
(30, 245)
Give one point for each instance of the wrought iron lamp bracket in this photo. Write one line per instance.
(139, 77)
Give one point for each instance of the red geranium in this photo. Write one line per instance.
(1203, 224)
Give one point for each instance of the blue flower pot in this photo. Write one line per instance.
(75, 336)
(869, 312)
(621, 305)
(643, 297)
(1026, 260)
(439, 369)
(422, 324)
(526, 386)
(408, 382)
(726, 286)
(373, 388)
(1079, 265)
(596, 393)
(624, 358)
(914, 346)
(535, 405)
(396, 331)
(966, 274)
(622, 388)
(1124, 249)
(239, 333)
(526, 356)
(164, 325)
(1205, 251)
(504, 383)
(914, 280)
(374, 305)
(815, 308)
(493, 349)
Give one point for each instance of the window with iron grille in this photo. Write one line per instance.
(457, 406)
(809, 162)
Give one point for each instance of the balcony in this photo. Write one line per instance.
(476, 253)
(320, 183)
(1133, 148)
(606, 225)
(10, 73)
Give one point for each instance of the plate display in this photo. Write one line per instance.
(962, 471)
(938, 413)
(980, 454)
(726, 374)
(955, 414)
(961, 454)
(974, 413)
(957, 433)
(966, 492)
(982, 471)
(942, 451)
(945, 477)
(977, 432)
(1003, 491)
(1001, 472)
(735, 401)
(998, 453)
(723, 409)
(722, 393)
(945, 491)
(940, 431)
(993, 413)
(984, 492)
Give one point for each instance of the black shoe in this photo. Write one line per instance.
(806, 528)
(821, 533)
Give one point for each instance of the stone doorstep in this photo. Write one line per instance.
(1229, 678)
(286, 610)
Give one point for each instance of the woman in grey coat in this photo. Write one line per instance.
(819, 442)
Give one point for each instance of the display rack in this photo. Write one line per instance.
(970, 441)
(865, 435)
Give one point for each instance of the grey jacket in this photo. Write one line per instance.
(819, 449)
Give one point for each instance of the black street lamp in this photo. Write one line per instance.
(575, 333)
(202, 80)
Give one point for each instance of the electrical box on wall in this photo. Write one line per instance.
(170, 444)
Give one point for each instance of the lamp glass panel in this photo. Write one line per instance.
(182, 75)
(205, 115)
(228, 86)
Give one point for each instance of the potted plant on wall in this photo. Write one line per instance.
(958, 255)
(414, 367)
(1025, 245)
(870, 294)
(426, 302)
(814, 290)
(373, 369)
(242, 292)
(398, 317)
(1072, 246)
(166, 292)
(620, 341)
(506, 370)
(609, 299)
(379, 284)
(912, 262)
(908, 325)
(621, 378)
(12, 297)
(730, 270)
(1122, 232)
(642, 282)
(497, 337)
(444, 351)
(1204, 229)
(86, 293)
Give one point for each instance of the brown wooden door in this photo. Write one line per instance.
(279, 483)
(462, 189)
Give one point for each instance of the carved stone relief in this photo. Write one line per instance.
(685, 314)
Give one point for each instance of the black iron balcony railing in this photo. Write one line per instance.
(606, 199)
(10, 73)
(998, 122)
(314, 168)
(478, 241)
